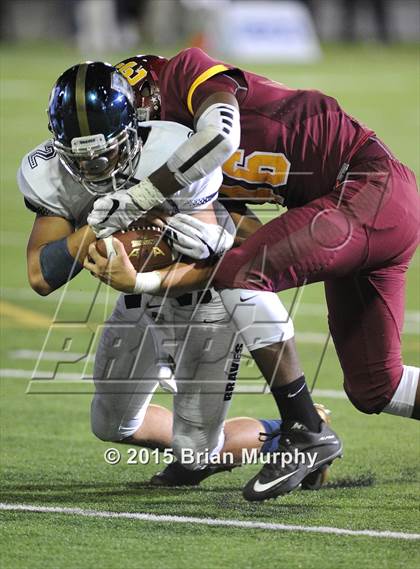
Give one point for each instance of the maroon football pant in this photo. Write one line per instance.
(358, 239)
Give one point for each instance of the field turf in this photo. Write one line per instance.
(50, 458)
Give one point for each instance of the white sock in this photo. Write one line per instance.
(402, 402)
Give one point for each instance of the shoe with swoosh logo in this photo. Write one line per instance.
(300, 453)
(318, 478)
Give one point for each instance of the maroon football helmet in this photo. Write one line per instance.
(142, 72)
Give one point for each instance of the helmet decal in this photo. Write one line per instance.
(143, 72)
(127, 71)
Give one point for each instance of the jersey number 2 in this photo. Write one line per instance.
(46, 153)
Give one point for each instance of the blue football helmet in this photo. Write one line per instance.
(92, 117)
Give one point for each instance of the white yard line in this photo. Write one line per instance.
(66, 377)
(241, 524)
(303, 337)
(244, 387)
(28, 374)
(48, 356)
(411, 324)
(71, 297)
(74, 296)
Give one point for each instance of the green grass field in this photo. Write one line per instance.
(50, 458)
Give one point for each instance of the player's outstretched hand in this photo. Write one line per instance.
(112, 213)
(197, 239)
(115, 271)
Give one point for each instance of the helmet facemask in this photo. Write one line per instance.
(102, 165)
(148, 101)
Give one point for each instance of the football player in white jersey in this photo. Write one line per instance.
(98, 147)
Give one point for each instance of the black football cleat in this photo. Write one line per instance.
(177, 475)
(318, 478)
(315, 480)
(300, 453)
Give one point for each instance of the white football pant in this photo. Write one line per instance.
(204, 351)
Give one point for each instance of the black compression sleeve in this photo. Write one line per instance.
(57, 265)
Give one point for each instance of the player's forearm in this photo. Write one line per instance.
(51, 267)
(56, 262)
(36, 278)
(79, 241)
(245, 225)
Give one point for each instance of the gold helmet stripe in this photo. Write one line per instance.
(81, 100)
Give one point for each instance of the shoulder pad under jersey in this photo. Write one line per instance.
(47, 186)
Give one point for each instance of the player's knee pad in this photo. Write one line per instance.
(194, 448)
(260, 317)
(107, 423)
(102, 427)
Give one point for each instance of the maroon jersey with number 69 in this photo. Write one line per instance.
(293, 142)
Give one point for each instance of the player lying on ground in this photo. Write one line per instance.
(352, 222)
(61, 188)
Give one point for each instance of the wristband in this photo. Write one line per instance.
(145, 195)
(148, 283)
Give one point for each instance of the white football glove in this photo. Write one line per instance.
(113, 213)
(197, 239)
(118, 210)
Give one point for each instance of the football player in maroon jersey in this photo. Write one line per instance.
(352, 222)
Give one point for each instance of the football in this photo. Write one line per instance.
(146, 247)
